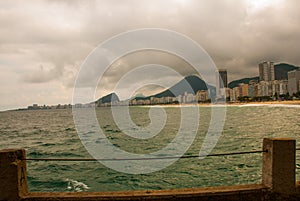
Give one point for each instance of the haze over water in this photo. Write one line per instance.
(51, 133)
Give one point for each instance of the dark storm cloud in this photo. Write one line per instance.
(59, 35)
(129, 62)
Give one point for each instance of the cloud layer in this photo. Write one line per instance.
(43, 43)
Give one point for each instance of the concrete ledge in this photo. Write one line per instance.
(13, 177)
(241, 192)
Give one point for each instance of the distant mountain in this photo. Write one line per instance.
(139, 97)
(282, 69)
(190, 84)
(108, 98)
(236, 83)
(281, 73)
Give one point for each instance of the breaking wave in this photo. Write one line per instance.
(76, 186)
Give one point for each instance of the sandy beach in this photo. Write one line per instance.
(288, 102)
(262, 103)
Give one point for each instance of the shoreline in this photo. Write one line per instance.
(229, 104)
(285, 102)
(262, 103)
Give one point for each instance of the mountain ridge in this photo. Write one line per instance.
(189, 84)
(193, 83)
(109, 98)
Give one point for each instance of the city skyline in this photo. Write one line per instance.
(43, 44)
(266, 88)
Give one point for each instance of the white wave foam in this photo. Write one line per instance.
(76, 186)
(271, 105)
(253, 105)
(284, 105)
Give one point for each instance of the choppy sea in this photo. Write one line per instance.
(52, 134)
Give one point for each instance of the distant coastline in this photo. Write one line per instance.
(200, 104)
(262, 103)
(206, 104)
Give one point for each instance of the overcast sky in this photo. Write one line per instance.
(44, 43)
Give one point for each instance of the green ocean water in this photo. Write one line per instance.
(52, 133)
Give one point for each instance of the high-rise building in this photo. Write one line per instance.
(221, 76)
(243, 90)
(266, 71)
(253, 88)
(293, 81)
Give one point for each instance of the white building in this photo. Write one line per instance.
(266, 71)
(293, 81)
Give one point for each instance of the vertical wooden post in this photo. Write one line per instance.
(278, 172)
(13, 178)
